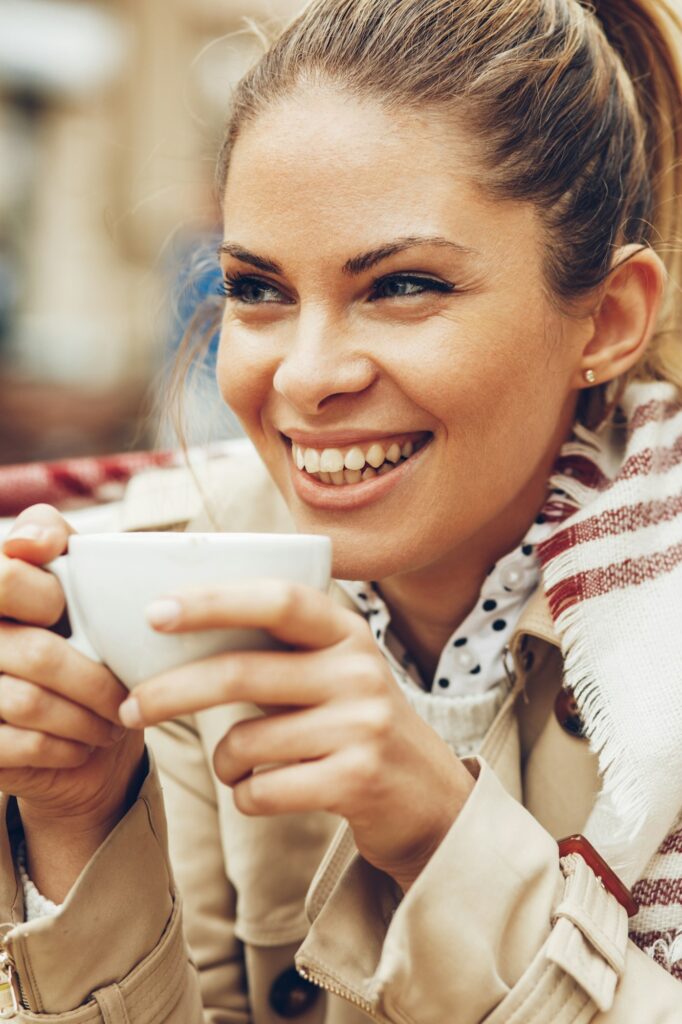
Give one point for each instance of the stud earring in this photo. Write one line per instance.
(590, 376)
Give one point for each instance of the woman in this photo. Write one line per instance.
(449, 334)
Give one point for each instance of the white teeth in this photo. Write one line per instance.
(312, 460)
(375, 455)
(330, 465)
(331, 460)
(355, 459)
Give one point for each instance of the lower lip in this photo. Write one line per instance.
(351, 496)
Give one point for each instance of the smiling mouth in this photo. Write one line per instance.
(358, 463)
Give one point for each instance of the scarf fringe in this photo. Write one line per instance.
(637, 806)
(621, 789)
(575, 476)
(667, 951)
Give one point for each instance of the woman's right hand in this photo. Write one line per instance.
(63, 753)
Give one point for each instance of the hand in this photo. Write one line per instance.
(339, 732)
(63, 753)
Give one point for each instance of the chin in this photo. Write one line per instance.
(351, 559)
(369, 549)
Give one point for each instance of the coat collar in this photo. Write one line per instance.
(535, 620)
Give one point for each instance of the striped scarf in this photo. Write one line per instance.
(612, 570)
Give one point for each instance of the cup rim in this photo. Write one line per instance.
(305, 540)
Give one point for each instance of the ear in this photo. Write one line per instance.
(625, 317)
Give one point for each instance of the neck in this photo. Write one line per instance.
(428, 604)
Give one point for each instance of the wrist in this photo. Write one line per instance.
(97, 812)
(57, 851)
(74, 830)
(60, 843)
(406, 873)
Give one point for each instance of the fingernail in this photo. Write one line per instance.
(164, 612)
(130, 714)
(27, 531)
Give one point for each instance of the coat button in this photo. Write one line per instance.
(568, 716)
(291, 995)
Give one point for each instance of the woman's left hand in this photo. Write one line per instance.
(338, 735)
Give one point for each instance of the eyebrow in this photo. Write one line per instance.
(356, 264)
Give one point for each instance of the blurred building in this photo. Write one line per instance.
(110, 119)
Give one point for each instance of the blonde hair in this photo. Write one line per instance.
(577, 107)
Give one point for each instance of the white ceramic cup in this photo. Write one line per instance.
(109, 579)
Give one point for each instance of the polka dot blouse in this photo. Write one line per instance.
(472, 660)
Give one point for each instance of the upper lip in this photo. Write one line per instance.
(343, 438)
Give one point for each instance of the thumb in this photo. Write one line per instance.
(38, 536)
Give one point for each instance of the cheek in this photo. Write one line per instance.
(500, 394)
(475, 374)
(244, 374)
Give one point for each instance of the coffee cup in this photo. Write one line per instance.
(109, 579)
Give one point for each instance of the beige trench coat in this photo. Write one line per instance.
(493, 930)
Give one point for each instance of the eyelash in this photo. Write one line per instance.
(233, 285)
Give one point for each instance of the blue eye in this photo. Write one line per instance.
(252, 291)
(398, 286)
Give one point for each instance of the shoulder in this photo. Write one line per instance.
(233, 491)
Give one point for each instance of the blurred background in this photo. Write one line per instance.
(110, 119)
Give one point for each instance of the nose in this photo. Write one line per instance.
(323, 361)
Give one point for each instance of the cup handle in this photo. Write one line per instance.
(78, 638)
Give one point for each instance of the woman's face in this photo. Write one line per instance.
(382, 305)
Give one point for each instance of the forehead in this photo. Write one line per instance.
(324, 171)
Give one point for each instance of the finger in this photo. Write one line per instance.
(25, 748)
(49, 660)
(29, 594)
(257, 677)
(265, 678)
(290, 612)
(299, 736)
(38, 535)
(292, 789)
(28, 706)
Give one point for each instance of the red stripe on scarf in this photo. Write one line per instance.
(650, 411)
(597, 582)
(646, 939)
(661, 892)
(610, 523)
(673, 844)
(649, 460)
